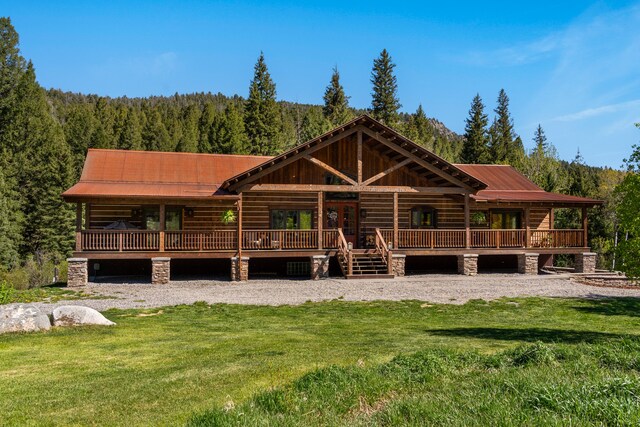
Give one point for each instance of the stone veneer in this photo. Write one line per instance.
(319, 267)
(160, 270)
(586, 262)
(468, 264)
(398, 264)
(528, 263)
(77, 272)
(239, 269)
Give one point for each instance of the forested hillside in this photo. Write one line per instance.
(45, 134)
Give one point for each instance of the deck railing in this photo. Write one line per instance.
(279, 239)
(200, 240)
(120, 240)
(484, 238)
(426, 238)
(498, 238)
(330, 239)
(557, 238)
(383, 250)
(221, 240)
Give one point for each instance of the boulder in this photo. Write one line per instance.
(72, 315)
(22, 318)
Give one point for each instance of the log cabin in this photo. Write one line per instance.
(360, 197)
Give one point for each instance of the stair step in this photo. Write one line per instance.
(369, 276)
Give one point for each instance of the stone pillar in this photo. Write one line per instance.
(586, 262)
(528, 263)
(77, 272)
(239, 269)
(160, 270)
(319, 267)
(397, 264)
(468, 264)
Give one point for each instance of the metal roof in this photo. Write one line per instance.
(506, 184)
(122, 173)
(150, 174)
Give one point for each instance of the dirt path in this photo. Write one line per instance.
(450, 289)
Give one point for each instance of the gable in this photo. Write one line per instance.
(361, 153)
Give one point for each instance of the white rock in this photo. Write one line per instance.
(72, 315)
(22, 318)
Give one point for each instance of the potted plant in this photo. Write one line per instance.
(228, 217)
(479, 218)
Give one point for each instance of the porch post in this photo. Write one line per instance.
(359, 157)
(78, 227)
(320, 221)
(240, 227)
(584, 227)
(527, 225)
(395, 221)
(552, 219)
(467, 222)
(162, 220)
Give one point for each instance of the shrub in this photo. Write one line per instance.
(7, 292)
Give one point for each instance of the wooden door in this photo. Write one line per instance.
(343, 215)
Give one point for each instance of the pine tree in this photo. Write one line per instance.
(314, 124)
(189, 137)
(131, 135)
(505, 148)
(384, 103)
(474, 148)
(12, 66)
(10, 224)
(47, 171)
(204, 128)
(230, 136)
(154, 135)
(262, 113)
(336, 103)
(420, 130)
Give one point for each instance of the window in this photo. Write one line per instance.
(423, 217)
(294, 219)
(151, 218)
(173, 218)
(508, 220)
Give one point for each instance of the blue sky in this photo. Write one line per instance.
(573, 67)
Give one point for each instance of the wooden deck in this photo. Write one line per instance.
(292, 243)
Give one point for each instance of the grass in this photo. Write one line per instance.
(532, 384)
(163, 366)
(44, 294)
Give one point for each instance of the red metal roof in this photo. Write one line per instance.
(506, 184)
(151, 174)
(122, 173)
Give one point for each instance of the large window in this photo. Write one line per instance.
(423, 217)
(291, 219)
(508, 220)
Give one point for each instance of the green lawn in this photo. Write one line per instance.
(163, 366)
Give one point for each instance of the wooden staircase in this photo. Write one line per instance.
(364, 263)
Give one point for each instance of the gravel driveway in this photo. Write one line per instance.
(438, 288)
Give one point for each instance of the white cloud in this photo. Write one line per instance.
(597, 111)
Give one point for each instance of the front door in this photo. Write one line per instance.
(343, 215)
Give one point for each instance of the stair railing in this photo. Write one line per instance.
(383, 250)
(345, 256)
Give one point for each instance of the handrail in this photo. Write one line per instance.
(344, 254)
(383, 250)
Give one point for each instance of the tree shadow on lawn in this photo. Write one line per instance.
(623, 306)
(546, 335)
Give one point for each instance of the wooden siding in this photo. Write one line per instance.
(205, 218)
(342, 155)
(450, 213)
(257, 205)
